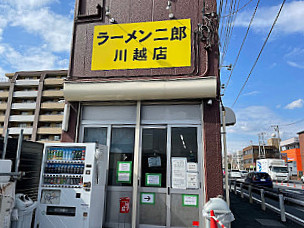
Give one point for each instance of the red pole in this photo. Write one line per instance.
(212, 221)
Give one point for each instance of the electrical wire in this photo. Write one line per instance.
(230, 29)
(220, 10)
(222, 25)
(238, 10)
(275, 21)
(238, 55)
(292, 123)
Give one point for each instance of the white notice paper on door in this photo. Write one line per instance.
(124, 167)
(192, 167)
(192, 180)
(179, 169)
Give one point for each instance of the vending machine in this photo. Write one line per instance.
(72, 186)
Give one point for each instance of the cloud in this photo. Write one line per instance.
(31, 59)
(290, 20)
(252, 93)
(56, 30)
(30, 4)
(295, 57)
(293, 64)
(2, 72)
(252, 120)
(37, 21)
(36, 18)
(295, 104)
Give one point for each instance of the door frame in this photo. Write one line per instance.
(168, 189)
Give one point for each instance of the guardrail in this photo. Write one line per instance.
(278, 194)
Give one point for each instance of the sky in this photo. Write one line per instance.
(274, 93)
(37, 36)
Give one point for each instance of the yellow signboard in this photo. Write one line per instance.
(156, 44)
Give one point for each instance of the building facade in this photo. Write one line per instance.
(251, 154)
(33, 101)
(290, 151)
(143, 80)
(301, 142)
(274, 142)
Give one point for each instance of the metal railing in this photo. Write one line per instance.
(239, 187)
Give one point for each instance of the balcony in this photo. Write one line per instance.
(21, 118)
(29, 82)
(4, 94)
(52, 105)
(2, 118)
(52, 93)
(24, 106)
(1, 130)
(3, 106)
(51, 118)
(17, 130)
(53, 81)
(49, 130)
(25, 94)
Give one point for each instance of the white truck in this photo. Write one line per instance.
(276, 168)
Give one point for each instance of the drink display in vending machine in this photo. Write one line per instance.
(71, 176)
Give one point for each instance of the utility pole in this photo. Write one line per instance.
(225, 155)
(276, 128)
(261, 145)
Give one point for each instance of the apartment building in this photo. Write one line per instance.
(33, 101)
(251, 154)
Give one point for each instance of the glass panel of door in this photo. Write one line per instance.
(120, 176)
(119, 184)
(161, 203)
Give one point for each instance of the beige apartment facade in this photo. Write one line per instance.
(33, 101)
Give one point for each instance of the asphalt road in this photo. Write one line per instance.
(251, 216)
(291, 191)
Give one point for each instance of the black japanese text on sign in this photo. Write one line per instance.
(156, 44)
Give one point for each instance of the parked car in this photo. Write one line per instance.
(235, 174)
(244, 173)
(259, 178)
(302, 179)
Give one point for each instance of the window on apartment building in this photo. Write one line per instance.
(56, 137)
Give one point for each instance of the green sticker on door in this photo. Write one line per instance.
(190, 200)
(147, 198)
(124, 172)
(153, 179)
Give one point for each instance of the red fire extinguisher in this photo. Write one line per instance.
(124, 205)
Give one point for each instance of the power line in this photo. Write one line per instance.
(229, 33)
(222, 25)
(228, 29)
(238, 55)
(238, 10)
(292, 123)
(275, 21)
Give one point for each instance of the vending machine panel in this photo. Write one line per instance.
(72, 186)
